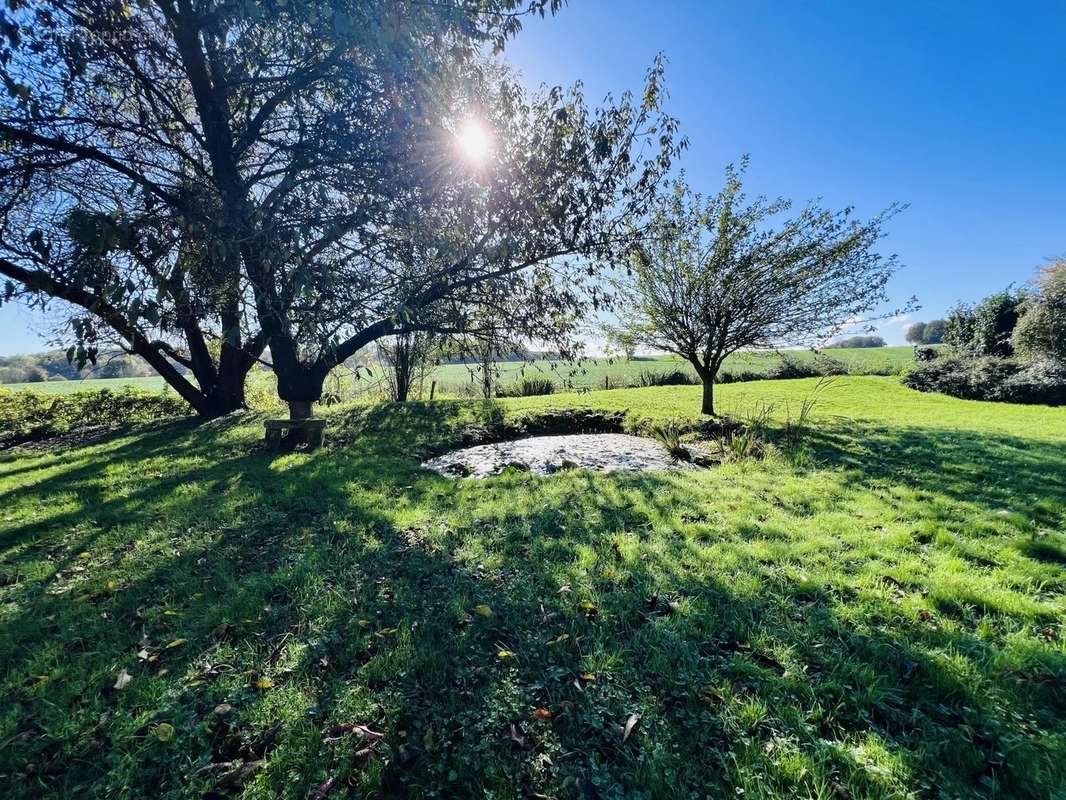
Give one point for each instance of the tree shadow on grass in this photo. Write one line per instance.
(1001, 473)
(349, 587)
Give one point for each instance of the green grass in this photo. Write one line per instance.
(586, 374)
(881, 618)
(592, 373)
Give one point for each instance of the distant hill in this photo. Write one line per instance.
(53, 366)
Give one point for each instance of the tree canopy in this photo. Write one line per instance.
(188, 174)
(984, 329)
(926, 332)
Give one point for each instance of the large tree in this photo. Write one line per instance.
(184, 171)
(510, 203)
(719, 274)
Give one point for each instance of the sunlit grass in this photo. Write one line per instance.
(881, 618)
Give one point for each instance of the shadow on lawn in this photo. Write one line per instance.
(999, 472)
(350, 579)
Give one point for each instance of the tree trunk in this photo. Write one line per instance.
(708, 395)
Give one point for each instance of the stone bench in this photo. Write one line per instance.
(313, 431)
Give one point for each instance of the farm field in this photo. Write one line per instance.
(588, 374)
(878, 614)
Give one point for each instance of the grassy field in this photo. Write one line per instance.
(153, 383)
(879, 616)
(591, 373)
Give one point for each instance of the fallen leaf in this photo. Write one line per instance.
(503, 655)
(175, 643)
(164, 732)
(223, 708)
(363, 623)
(483, 610)
(542, 713)
(631, 725)
(587, 676)
(562, 637)
(589, 609)
(264, 683)
(123, 680)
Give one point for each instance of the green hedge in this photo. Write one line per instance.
(32, 416)
(1004, 380)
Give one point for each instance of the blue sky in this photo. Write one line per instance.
(958, 109)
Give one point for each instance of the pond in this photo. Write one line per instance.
(544, 455)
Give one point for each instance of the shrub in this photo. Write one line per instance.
(985, 329)
(676, 377)
(791, 367)
(261, 391)
(989, 378)
(1042, 382)
(740, 376)
(530, 386)
(925, 354)
(31, 416)
(1041, 332)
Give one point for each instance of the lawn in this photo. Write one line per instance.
(456, 379)
(186, 615)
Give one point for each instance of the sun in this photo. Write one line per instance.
(474, 141)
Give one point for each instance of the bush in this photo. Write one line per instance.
(791, 367)
(984, 329)
(1042, 382)
(925, 354)
(31, 416)
(676, 377)
(1040, 334)
(531, 386)
(820, 366)
(997, 379)
(740, 376)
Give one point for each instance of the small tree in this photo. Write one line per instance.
(959, 328)
(714, 276)
(1041, 330)
(406, 357)
(994, 321)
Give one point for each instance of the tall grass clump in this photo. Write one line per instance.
(530, 386)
